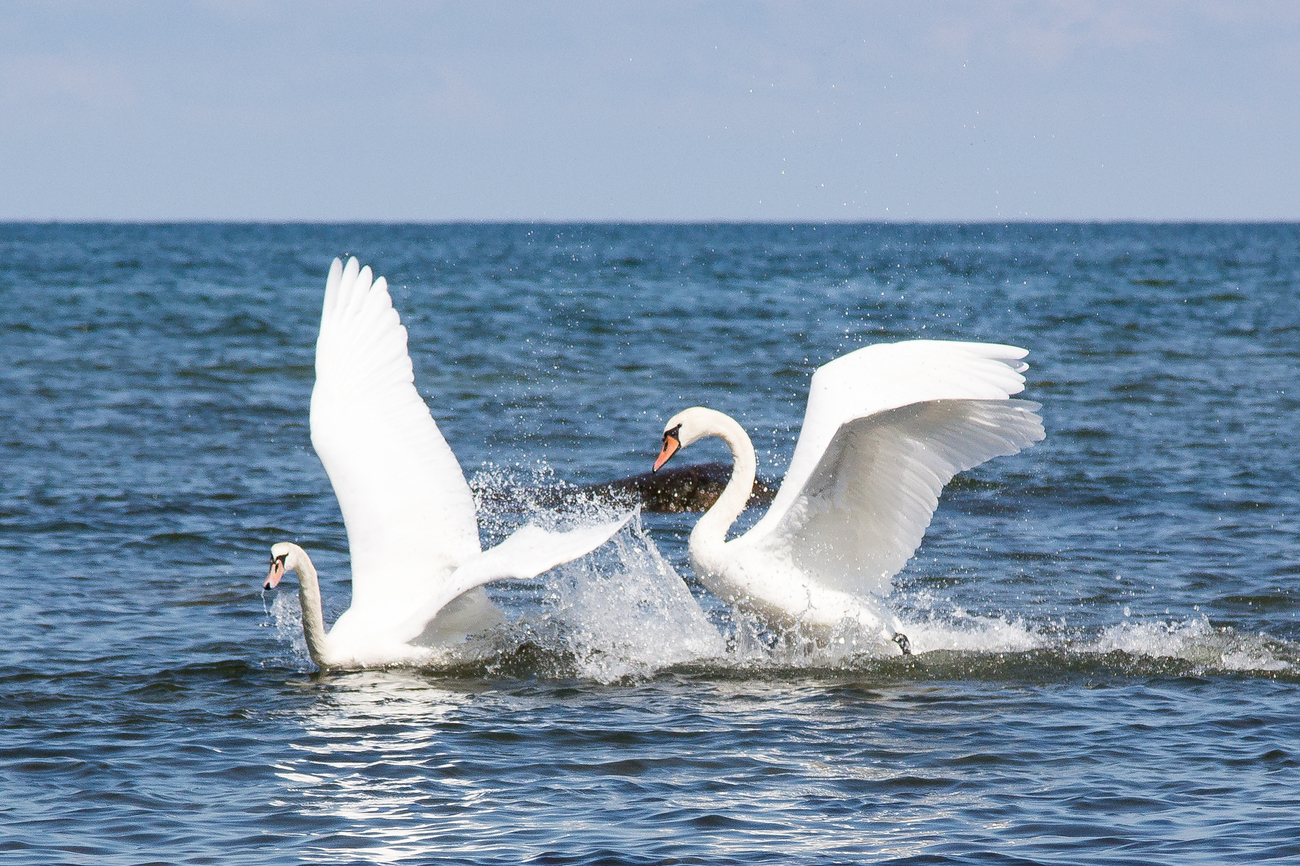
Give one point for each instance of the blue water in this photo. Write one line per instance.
(1108, 665)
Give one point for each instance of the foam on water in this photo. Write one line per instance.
(1198, 642)
(964, 632)
(625, 612)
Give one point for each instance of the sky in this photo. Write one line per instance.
(650, 111)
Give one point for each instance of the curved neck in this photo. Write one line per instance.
(710, 532)
(313, 621)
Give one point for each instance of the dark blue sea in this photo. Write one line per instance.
(1107, 626)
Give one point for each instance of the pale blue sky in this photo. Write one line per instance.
(650, 111)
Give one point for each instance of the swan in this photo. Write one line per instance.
(886, 427)
(417, 567)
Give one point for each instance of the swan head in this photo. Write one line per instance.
(688, 426)
(284, 558)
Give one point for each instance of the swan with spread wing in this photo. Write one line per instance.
(417, 567)
(887, 426)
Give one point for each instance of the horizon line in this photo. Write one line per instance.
(652, 222)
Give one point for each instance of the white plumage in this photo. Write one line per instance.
(886, 427)
(410, 516)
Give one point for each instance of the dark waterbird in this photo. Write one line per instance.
(683, 488)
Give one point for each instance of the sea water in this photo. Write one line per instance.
(1107, 664)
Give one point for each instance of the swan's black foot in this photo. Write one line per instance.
(903, 643)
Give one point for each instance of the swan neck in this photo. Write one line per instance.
(711, 531)
(313, 620)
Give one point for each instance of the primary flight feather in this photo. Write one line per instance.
(887, 426)
(410, 517)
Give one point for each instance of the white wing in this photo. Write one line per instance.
(886, 428)
(409, 513)
(862, 514)
(528, 552)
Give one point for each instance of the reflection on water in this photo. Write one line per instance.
(370, 753)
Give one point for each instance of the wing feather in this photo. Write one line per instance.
(889, 375)
(886, 427)
(409, 513)
(528, 552)
(864, 510)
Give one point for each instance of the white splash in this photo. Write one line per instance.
(960, 631)
(625, 611)
(1195, 641)
(286, 617)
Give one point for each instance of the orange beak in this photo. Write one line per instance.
(277, 572)
(671, 444)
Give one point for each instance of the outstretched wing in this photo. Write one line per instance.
(886, 428)
(409, 513)
(862, 514)
(528, 552)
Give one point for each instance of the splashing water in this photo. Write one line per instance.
(285, 615)
(1198, 642)
(625, 612)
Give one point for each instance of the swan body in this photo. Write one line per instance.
(417, 567)
(887, 426)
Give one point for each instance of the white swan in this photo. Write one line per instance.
(887, 426)
(410, 516)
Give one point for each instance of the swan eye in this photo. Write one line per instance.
(673, 433)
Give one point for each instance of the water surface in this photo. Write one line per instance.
(1106, 624)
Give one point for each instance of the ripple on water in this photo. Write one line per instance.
(1107, 642)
